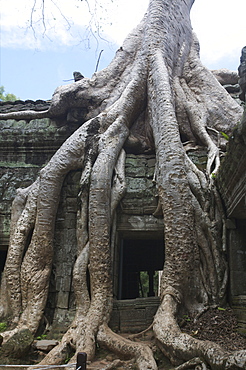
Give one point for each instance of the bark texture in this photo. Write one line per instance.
(156, 88)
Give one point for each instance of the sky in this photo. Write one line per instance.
(35, 58)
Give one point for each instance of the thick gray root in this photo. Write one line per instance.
(156, 65)
(180, 346)
(142, 354)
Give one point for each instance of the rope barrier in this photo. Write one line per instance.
(54, 366)
(80, 365)
(35, 367)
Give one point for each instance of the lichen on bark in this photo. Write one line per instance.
(157, 88)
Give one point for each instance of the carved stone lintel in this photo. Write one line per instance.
(242, 74)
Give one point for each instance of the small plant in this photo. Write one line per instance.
(186, 318)
(221, 309)
(3, 326)
(42, 336)
(68, 358)
(225, 136)
(213, 175)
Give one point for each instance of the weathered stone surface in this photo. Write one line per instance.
(45, 345)
(25, 148)
(232, 174)
(226, 76)
(11, 178)
(136, 209)
(239, 308)
(134, 315)
(18, 345)
(242, 75)
(19, 105)
(140, 197)
(232, 185)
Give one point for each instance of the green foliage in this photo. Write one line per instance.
(43, 336)
(3, 326)
(68, 358)
(144, 283)
(221, 309)
(225, 136)
(6, 96)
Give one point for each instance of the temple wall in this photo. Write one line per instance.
(232, 186)
(25, 147)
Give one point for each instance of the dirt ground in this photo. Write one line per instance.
(218, 325)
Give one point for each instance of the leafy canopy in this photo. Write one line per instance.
(6, 96)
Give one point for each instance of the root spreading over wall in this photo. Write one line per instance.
(157, 88)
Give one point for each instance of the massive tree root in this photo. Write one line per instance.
(157, 89)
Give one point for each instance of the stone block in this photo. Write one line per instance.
(71, 221)
(240, 313)
(240, 259)
(71, 204)
(135, 172)
(58, 282)
(241, 328)
(238, 282)
(134, 315)
(132, 320)
(149, 210)
(62, 319)
(135, 161)
(114, 323)
(65, 266)
(66, 286)
(134, 184)
(45, 345)
(63, 300)
(18, 345)
(151, 163)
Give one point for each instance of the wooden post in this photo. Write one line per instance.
(81, 361)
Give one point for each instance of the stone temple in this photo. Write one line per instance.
(137, 242)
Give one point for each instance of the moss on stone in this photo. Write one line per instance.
(18, 345)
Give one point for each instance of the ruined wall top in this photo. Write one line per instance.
(242, 74)
(21, 105)
(232, 173)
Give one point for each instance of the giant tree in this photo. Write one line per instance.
(157, 87)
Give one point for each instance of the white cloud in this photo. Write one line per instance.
(126, 16)
(220, 24)
(220, 27)
(22, 25)
(65, 21)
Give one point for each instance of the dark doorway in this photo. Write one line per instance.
(140, 261)
(3, 255)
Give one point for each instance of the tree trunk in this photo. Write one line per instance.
(157, 74)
